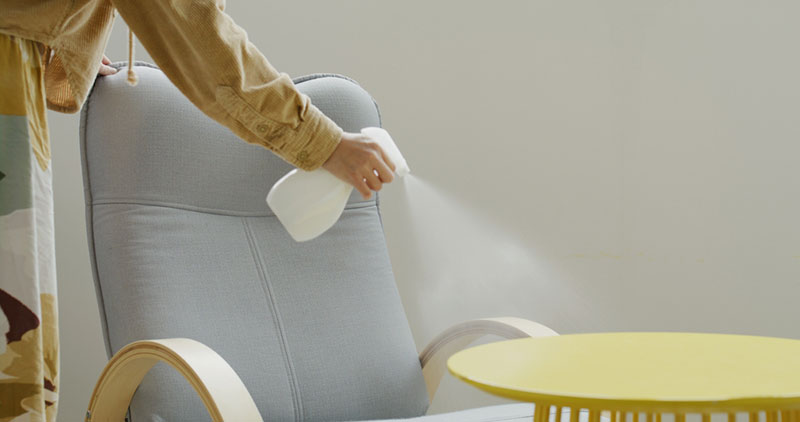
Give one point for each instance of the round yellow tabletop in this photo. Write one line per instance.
(641, 372)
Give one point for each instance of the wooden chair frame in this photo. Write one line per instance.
(222, 391)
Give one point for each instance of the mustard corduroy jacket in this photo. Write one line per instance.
(202, 51)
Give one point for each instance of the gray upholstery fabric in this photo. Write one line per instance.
(184, 245)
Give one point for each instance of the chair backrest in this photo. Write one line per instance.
(184, 245)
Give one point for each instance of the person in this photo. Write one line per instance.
(50, 53)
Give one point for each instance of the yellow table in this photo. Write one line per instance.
(622, 374)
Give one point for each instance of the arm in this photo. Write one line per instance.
(209, 58)
(434, 357)
(221, 390)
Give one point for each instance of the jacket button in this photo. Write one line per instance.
(261, 128)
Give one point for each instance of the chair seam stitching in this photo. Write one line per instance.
(267, 287)
(206, 210)
(89, 216)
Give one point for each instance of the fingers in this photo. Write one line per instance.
(375, 178)
(382, 164)
(385, 173)
(360, 161)
(106, 70)
(360, 184)
(373, 181)
(380, 170)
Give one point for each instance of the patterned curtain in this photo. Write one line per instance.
(29, 352)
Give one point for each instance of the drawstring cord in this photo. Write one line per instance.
(132, 78)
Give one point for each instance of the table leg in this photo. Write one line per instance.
(541, 412)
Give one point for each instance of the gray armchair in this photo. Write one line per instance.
(210, 310)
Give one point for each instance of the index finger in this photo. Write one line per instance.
(384, 173)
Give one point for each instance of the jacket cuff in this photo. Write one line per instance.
(311, 143)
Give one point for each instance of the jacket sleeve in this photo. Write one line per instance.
(209, 58)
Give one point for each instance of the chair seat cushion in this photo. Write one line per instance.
(515, 412)
(505, 413)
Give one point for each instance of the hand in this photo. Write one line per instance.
(105, 69)
(360, 161)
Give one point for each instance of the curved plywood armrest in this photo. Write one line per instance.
(223, 393)
(434, 357)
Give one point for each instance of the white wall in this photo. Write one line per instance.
(595, 166)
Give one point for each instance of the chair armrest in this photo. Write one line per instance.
(434, 357)
(223, 393)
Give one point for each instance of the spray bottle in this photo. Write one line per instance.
(308, 203)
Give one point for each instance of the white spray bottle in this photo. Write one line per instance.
(308, 203)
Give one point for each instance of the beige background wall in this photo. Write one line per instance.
(615, 165)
